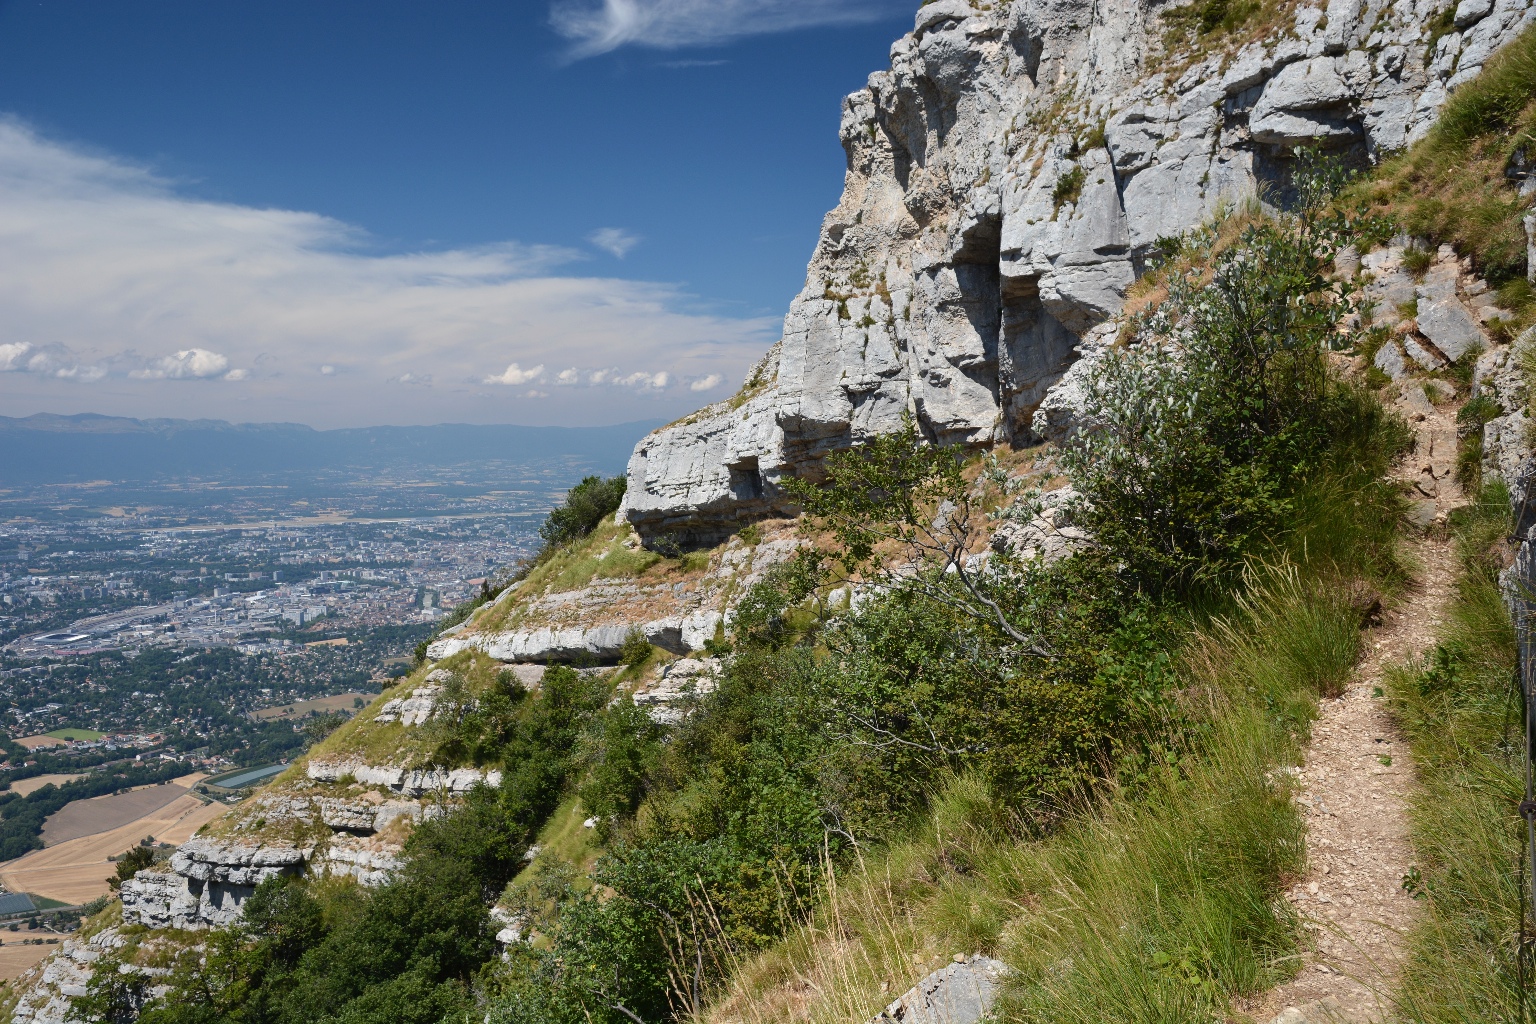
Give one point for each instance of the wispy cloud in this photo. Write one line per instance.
(113, 278)
(599, 26)
(614, 240)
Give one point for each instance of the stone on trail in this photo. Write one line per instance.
(1451, 329)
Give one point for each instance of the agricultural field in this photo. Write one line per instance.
(104, 813)
(348, 702)
(75, 870)
(22, 787)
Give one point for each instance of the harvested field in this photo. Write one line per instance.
(104, 813)
(320, 705)
(76, 871)
(40, 742)
(22, 787)
(15, 957)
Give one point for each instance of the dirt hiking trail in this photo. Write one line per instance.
(1358, 775)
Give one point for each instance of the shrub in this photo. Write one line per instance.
(1198, 436)
(635, 649)
(1069, 188)
(130, 864)
(585, 506)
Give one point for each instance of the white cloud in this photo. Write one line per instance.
(705, 383)
(515, 374)
(109, 273)
(10, 356)
(327, 369)
(535, 393)
(188, 364)
(568, 377)
(598, 26)
(641, 379)
(614, 240)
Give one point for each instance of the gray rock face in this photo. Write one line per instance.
(411, 782)
(681, 680)
(678, 634)
(983, 232)
(207, 883)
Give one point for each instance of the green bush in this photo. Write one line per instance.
(1198, 438)
(585, 506)
(636, 649)
(1068, 188)
(130, 864)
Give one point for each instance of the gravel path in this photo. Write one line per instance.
(1357, 778)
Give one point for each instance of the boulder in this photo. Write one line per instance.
(1450, 328)
(961, 992)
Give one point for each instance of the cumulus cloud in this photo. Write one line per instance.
(108, 272)
(568, 377)
(705, 383)
(515, 374)
(188, 364)
(600, 26)
(614, 240)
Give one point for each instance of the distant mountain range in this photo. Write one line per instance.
(49, 449)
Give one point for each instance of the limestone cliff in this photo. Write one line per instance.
(1007, 177)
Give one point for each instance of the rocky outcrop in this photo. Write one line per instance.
(415, 709)
(206, 885)
(411, 782)
(677, 612)
(1007, 177)
(600, 642)
(682, 681)
(48, 990)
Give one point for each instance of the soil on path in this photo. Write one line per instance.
(1358, 775)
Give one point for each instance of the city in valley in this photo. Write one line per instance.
(165, 646)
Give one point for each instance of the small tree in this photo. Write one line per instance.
(635, 649)
(130, 864)
(585, 506)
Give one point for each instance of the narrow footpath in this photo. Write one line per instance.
(1358, 775)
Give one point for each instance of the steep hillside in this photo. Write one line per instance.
(830, 722)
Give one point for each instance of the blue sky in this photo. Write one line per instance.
(356, 211)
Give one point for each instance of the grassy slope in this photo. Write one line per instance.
(1453, 186)
(1159, 903)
